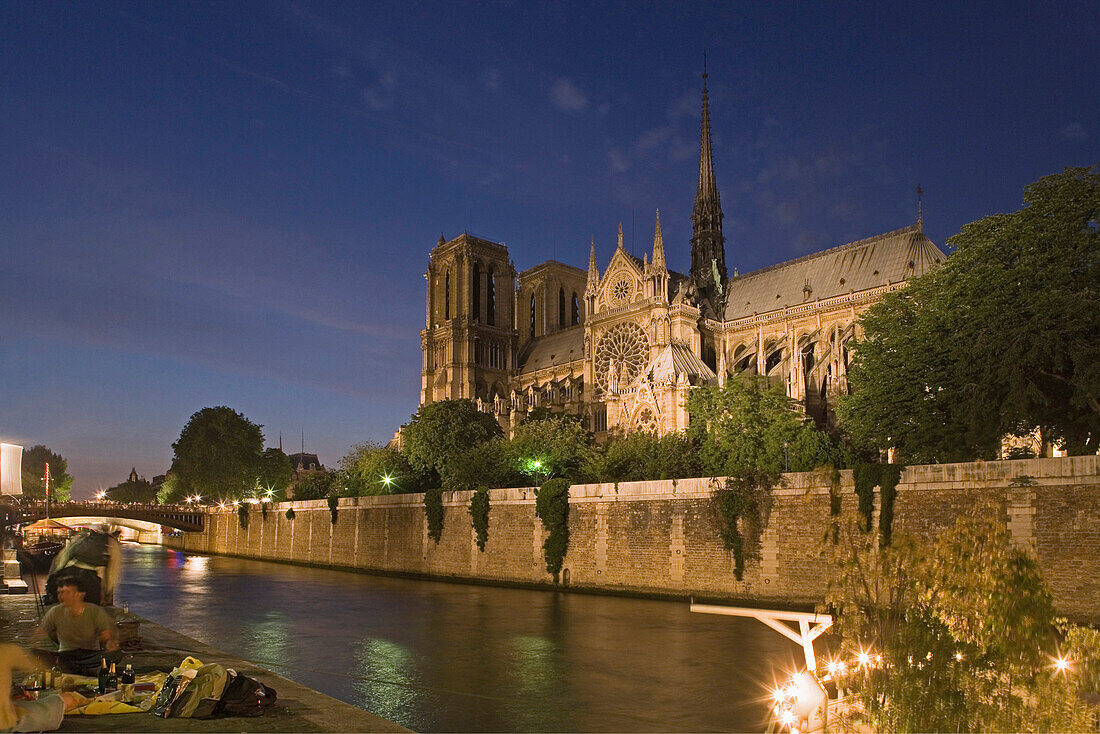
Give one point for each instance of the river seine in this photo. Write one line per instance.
(436, 656)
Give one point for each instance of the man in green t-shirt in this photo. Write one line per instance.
(79, 628)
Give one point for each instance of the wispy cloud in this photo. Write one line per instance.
(1073, 131)
(489, 79)
(566, 96)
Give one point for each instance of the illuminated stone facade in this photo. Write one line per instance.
(622, 349)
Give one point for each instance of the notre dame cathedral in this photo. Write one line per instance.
(623, 348)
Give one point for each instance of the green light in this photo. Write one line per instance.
(387, 479)
(536, 465)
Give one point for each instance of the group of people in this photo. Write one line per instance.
(84, 635)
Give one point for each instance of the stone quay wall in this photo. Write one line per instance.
(661, 537)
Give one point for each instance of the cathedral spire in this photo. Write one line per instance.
(920, 209)
(658, 244)
(708, 254)
(593, 273)
(620, 235)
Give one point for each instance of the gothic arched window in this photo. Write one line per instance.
(491, 299)
(532, 316)
(447, 297)
(477, 292)
(575, 316)
(561, 308)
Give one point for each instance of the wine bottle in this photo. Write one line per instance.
(126, 681)
(112, 679)
(104, 676)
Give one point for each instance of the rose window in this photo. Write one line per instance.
(622, 288)
(624, 349)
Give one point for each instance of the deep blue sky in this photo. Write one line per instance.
(233, 203)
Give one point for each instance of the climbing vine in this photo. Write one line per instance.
(263, 510)
(479, 515)
(433, 510)
(889, 477)
(743, 500)
(552, 507)
(866, 478)
(333, 504)
(242, 514)
(290, 513)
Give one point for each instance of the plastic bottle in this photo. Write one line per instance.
(104, 676)
(126, 681)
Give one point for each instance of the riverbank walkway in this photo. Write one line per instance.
(298, 708)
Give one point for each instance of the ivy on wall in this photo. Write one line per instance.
(433, 510)
(242, 514)
(743, 500)
(290, 513)
(552, 507)
(333, 504)
(886, 477)
(263, 509)
(479, 516)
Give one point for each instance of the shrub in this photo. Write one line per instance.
(242, 514)
(333, 504)
(290, 513)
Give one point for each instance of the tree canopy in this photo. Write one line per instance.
(958, 634)
(139, 490)
(749, 425)
(440, 432)
(34, 469)
(372, 469)
(1002, 339)
(219, 455)
(551, 447)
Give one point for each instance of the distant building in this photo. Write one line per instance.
(302, 463)
(621, 350)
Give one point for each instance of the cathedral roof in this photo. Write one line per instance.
(561, 347)
(876, 261)
(674, 361)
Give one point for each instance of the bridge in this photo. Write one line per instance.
(181, 517)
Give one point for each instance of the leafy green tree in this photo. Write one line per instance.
(491, 463)
(554, 447)
(171, 491)
(138, 490)
(34, 469)
(275, 471)
(999, 340)
(749, 426)
(440, 432)
(372, 469)
(219, 455)
(319, 485)
(641, 456)
(959, 633)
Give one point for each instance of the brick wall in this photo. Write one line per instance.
(662, 538)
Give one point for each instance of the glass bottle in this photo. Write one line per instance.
(104, 676)
(126, 681)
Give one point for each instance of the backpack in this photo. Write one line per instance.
(245, 696)
(201, 696)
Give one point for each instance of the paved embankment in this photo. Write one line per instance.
(298, 709)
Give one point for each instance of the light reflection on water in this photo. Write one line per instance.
(451, 657)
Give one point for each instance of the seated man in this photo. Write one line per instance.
(45, 714)
(78, 627)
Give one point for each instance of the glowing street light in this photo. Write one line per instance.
(1062, 664)
(386, 480)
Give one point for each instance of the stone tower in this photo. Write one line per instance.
(708, 252)
(469, 339)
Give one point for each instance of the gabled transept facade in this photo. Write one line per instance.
(622, 349)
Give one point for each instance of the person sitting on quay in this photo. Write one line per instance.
(79, 628)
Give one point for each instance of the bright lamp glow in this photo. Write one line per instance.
(387, 479)
(1061, 664)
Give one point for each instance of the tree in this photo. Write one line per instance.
(552, 447)
(219, 455)
(34, 469)
(750, 426)
(139, 490)
(997, 341)
(372, 469)
(956, 634)
(641, 456)
(440, 432)
(319, 485)
(491, 464)
(275, 472)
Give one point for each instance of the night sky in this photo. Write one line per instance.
(233, 203)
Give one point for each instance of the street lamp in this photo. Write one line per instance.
(785, 466)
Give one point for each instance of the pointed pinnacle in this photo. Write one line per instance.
(658, 243)
(620, 235)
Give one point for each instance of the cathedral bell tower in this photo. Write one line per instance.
(708, 252)
(469, 339)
